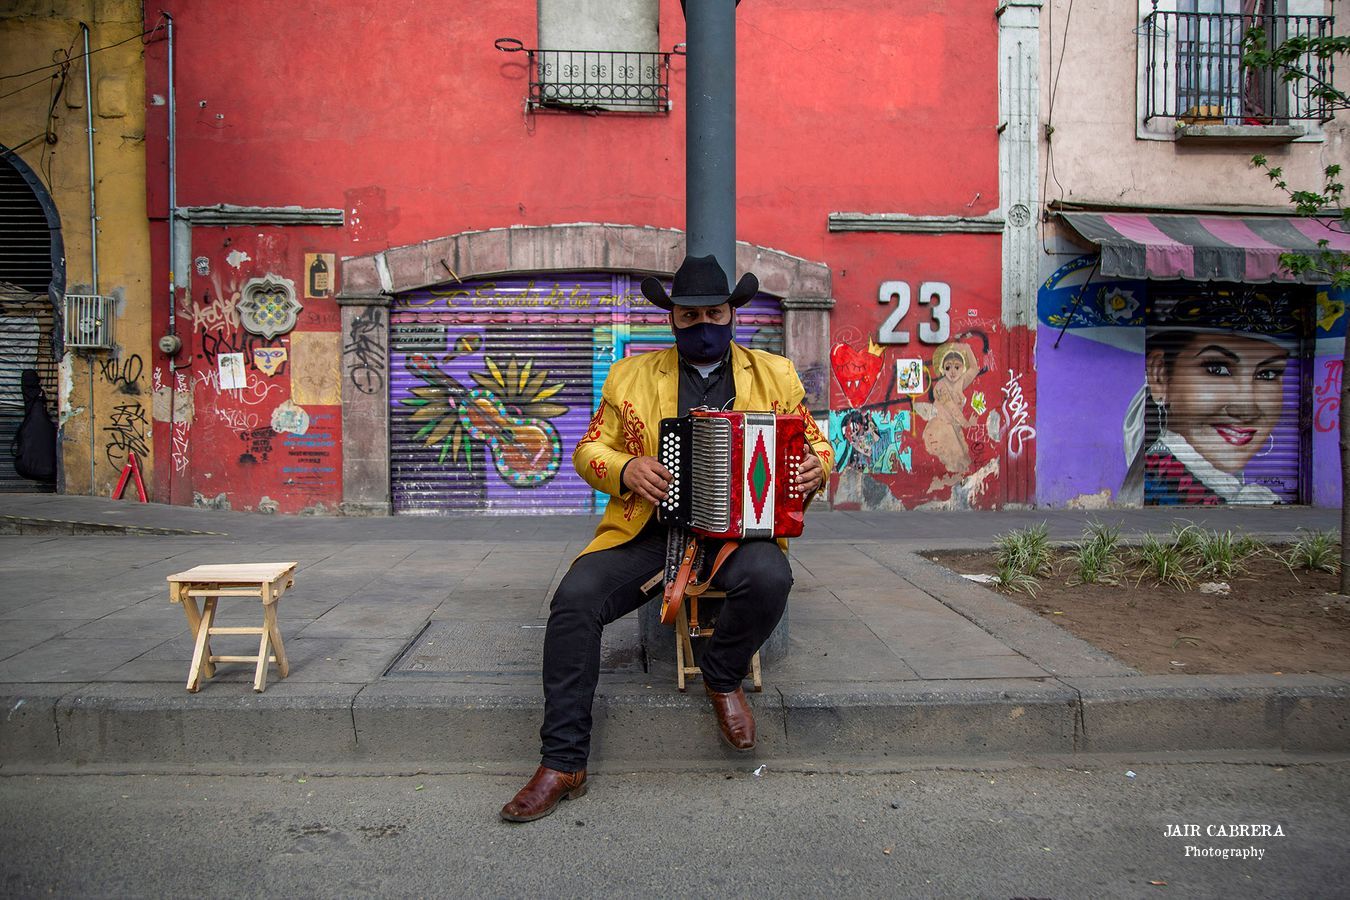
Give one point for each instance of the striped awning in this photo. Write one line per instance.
(1204, 247)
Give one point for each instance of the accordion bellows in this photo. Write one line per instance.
(734, 473)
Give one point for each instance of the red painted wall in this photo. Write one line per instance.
(404, 115)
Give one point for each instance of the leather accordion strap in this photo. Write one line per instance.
(675, 588)
(697, 589)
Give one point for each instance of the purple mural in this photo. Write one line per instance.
(492, 383)
(1183, 393)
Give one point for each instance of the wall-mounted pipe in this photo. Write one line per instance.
(173, 188)
(173, 252)
(89, 129)
(93, 232)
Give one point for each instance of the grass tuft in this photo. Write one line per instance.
(1094, 558)
(1165, 562)
(1315, 551)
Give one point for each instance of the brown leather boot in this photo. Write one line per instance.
(734, 719)
(542, 794)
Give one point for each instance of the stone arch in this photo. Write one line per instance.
(580, 247)
(369, 282)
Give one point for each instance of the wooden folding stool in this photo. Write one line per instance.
(265, 581)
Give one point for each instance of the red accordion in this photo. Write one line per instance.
(735, 473)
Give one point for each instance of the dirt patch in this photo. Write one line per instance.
(1269, 622)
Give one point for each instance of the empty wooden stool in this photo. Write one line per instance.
(265, 581)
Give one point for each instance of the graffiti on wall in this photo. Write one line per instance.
(363, 352)
(1327, 400)
(506, 416)
(869, 441)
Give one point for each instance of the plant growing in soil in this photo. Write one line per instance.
(1164, 561)
(1314, 551)
(1023, 555)
(1025, 550)
(1094, 558)
(1221, 554)
(1011, 578)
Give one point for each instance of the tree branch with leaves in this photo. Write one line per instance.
(1291, 58)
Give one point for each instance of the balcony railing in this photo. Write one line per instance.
(595, 80)
(1195, 73)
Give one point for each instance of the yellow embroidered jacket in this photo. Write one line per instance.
(641, 391)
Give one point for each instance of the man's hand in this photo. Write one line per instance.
(647, 478)
(810, 474)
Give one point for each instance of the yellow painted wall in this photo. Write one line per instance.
(35, 33)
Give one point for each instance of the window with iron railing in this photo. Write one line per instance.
(1194, 70)
(595, 80)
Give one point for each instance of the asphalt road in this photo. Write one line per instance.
(1023, 832)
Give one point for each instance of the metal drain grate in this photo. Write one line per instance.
(504, 648)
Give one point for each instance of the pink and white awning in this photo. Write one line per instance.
(1205, 247)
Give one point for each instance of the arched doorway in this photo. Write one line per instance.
(32, 281)
(562, 299)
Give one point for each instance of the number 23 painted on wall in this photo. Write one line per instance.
(936, 295)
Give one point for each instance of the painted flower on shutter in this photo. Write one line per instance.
(507, 414)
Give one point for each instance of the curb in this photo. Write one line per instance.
(494, 727)
(35, 525)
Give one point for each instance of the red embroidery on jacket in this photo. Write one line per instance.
(599, 468)
(597, 422)
(633, 427)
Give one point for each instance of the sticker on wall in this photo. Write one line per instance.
(232, 377)
(289, 417)
(319, 269)
(909, 377)
(316, 368)
(269, 359)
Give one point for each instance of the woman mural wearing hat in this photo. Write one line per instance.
(1214, 371)
(617, 455)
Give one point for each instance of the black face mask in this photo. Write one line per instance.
(704, 343)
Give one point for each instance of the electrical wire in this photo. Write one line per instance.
(1050, 172)
(158, 25)
(27, 86)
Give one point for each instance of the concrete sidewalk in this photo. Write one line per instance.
(415, 644)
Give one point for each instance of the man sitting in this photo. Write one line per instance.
(705, 368)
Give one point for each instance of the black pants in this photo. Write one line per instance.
(604, 586)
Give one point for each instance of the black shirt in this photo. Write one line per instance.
(716, 391)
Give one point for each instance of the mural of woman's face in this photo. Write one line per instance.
(953, 367)
(1222, 394)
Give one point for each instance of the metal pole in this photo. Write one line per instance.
(710, 125)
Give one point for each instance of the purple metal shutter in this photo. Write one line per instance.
(1245, 423)
(492, 382)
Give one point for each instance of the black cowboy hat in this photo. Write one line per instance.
(700, 281)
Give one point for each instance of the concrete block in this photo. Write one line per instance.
(1151, 713)
(484, 253)
(907, 719)
(585, 247)
(655, 726)
(290, 723)
(410, 267)
(360, 277)
(813, 280)
(454, 724)
(28, 723)
(777, 273)
(1318, 719)
(365, 478)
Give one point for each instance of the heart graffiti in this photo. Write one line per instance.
(856, 371)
